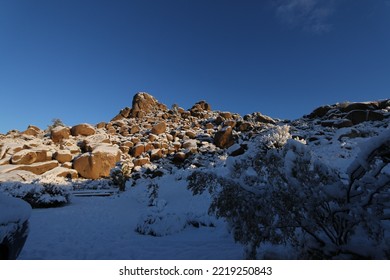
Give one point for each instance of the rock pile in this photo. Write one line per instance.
(349, 114)
(148, 132)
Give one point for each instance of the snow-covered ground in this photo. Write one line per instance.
(174, 224)
(105, 227)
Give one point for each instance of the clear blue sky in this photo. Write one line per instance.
(82, 61)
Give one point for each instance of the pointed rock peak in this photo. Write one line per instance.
(144, 103)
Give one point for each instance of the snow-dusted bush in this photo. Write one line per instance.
(277, 138)
(160, 224)
(120, 174)
(38, 195)
(280, 193)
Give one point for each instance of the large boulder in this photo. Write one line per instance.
(60, 133)
(83, 129)
(359, 116)
(17, 176)
(143, 103)
(98, 163)
(61, 172)
(360, 106)
(43, 154)
(63, 156)
(319, 112)
(199, 108)
(24, 157)
(32, 130)
(39, 168)
(91, 142)
(224, 138)
(138, 150)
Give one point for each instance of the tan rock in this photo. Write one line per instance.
(209, 126)
(141, 161)
(60, 133)
(244, 126)
(17, 176)
(138, 150)
(149, 147)
(226, 115)
(176, 145)
(143, 103)
(24, 157)
(190, 144)
(191, 134)
(61, 172)
(134, 129)
(229, 123)
(101, 125)
(169, 137)
(157, 145)
(5, 160)
(91, 142)
(12, 148)
(43, 154)
(67, 165)
(179, 157)
(128, 144)
(32, 130)
(98, 163)
(224, 138)
(152, 137)
(63, 156)
(159, 128)
(83, 129)
(124, 131)
(156, 154)
(39, 168)
(124, 149)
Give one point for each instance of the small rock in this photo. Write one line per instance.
(226, 115)
(159, 128)
(191, 134)
(179, 157)
(156, 154)
(141, 161)
(190, 144)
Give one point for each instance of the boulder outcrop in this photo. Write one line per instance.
(83, 129)
(148, 133)
(98, 163)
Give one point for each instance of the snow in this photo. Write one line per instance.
(13, 210)
(106, 149)
(105, 227)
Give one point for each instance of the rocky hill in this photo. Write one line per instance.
(151, 133)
